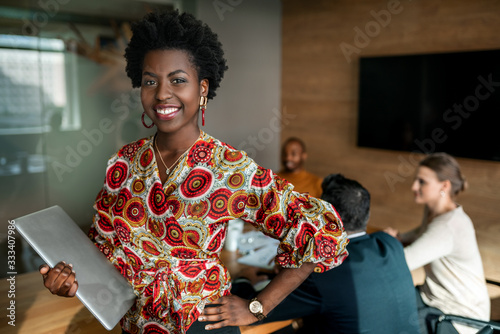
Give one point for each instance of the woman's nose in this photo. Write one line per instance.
(163, 92)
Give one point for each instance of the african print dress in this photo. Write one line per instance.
(166, 238)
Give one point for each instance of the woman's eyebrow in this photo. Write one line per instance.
(169, 75)
(176, 72)
(150, 74)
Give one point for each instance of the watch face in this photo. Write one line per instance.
(255, 307)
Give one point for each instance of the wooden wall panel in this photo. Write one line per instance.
(320, 88)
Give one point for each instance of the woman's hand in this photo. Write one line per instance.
(392, 231)
(60, 280)
(233, 310)
(227, 311)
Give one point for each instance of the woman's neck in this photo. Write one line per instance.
(441, 207)
(172, 143)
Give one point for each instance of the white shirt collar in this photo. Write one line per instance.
(356, 235)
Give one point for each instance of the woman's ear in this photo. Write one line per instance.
(204, 87)
(446, 186)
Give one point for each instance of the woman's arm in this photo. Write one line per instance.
(407, 238)
(436, 242)
(311, 235)
(234, 311)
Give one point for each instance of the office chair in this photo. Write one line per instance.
(489, 281)
(444, 324)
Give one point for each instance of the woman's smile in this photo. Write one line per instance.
(166, 112)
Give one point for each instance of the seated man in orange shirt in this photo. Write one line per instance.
(293, 156)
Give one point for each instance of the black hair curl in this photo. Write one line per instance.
(172, 30)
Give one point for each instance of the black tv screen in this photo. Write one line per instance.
(447, 102)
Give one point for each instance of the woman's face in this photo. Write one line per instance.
(170, 90)
(426, 186)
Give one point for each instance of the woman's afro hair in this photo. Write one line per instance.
(174, 31)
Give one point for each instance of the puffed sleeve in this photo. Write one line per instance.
(309, 229)
(102, 232)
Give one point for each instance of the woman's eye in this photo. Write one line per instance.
(178, 80)
(149, 82)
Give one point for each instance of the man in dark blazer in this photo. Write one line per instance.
(371, 292)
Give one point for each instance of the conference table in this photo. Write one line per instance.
(38, 311)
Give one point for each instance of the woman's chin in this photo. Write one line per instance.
(419, 200)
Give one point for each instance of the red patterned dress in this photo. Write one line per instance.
(166, 239)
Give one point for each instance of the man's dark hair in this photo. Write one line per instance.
(350, 199)
(174, 31)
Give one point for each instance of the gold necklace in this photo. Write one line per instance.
(168, 170)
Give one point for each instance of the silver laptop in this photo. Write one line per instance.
(101, 288)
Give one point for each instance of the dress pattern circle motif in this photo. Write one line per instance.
(262, 178)
(197, 184)
(218, 203)
(157, 203)
(135, 212)
(236, 181)
(237, 204)
(117, 174)
(144, 162)
(201, 154)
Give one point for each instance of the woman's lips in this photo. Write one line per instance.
(166, 112)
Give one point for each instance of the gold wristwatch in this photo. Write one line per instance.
(256, 309)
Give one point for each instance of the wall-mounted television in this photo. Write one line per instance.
(446, 102)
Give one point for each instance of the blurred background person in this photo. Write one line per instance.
(293, 157)
(445, 245)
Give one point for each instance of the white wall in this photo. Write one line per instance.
(247, 109)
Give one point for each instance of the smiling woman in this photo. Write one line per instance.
(445, 245)
(163, 225)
